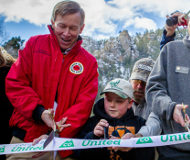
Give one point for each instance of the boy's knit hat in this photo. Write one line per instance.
(120, 87)
(142, 69)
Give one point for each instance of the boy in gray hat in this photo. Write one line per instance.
(114, 117)
(138, 79)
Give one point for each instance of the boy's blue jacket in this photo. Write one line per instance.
(117, 127)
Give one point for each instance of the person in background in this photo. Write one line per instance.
(139, 76)
(53, 75)
(138, 79)
(169, 31)
(168, 93)
(6, 60)
(153, 124)
(114, 117)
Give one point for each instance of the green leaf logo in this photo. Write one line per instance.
(144, 140)
(2, 149)
(67, 144)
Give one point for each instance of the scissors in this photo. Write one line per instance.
(52, 135)
(186, 121)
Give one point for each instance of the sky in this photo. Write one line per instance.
(104, 18)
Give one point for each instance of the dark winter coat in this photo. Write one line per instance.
(6, 110)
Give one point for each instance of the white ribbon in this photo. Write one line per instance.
(72, 144)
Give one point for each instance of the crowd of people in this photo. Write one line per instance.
(54, 83)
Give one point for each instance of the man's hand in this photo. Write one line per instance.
(181, 19)
(171, 29)
(99, 129)
(177, 115)
(61, 124)
(37, 140)
(47, 117)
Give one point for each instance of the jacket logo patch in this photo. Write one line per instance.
(180, 69)
(76, 68)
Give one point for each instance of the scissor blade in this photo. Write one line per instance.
(187, 127)
(49, 139)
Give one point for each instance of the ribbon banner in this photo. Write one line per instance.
(72, 144)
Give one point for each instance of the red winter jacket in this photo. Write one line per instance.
(39, 73)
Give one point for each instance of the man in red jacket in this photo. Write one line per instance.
(53, 72)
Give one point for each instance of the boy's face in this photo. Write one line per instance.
(115, 106)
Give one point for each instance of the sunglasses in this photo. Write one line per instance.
(139, 82)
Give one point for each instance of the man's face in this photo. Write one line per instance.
(115, 106)
(67, 29)
(139, 90)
